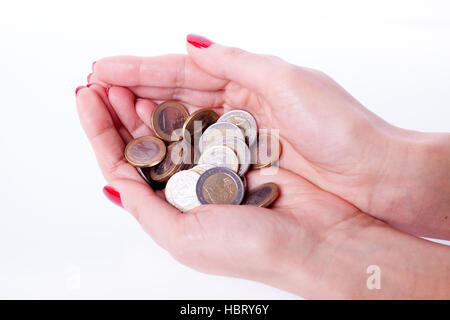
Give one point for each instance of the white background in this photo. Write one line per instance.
(57, 229)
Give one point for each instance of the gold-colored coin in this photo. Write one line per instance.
(145, 151)
(172, 163)
(266, 152)
(168, 119)
(197, 122)
(262, 196)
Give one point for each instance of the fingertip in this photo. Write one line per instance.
(77, 89)
(198, 41)
(113, 195)
(144, 109)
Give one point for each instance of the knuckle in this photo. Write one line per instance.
(180, 74)
(235, 52)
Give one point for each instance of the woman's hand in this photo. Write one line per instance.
(311, 242)
(328, 137)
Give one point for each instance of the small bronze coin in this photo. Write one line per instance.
(145, 151)
(168, 119)
(266, 152)
(220, 185)
(172, 163)
(262, 196)
(197, 122)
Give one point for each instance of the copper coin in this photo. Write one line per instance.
(197, 122)
(220, 186)
(168, 119)
(262, 196)
(172, 163)
(266, 152)
(145, 151)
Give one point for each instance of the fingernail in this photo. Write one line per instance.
(93, 64)
(78, 89)
(112, 195)
(107, 89)
(198, 41)
(89, 84)
(89, 77)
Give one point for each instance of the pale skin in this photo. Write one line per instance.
(355, 191)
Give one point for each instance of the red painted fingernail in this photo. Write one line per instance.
(78, 89)
(198, 41)
(112, 195)
(93, 64)
(89, 77)
(89, 84)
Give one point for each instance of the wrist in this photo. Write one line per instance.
(340, 267)
(412, 189)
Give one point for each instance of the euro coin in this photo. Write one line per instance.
(218, 131)
(180, 190)
(172, 163)
(244, 121)
(262, 196)
(168, 119)
(197, 123)
(220, 186)
(220, 156)
(266, 152)
(145, 151)
(240, 148)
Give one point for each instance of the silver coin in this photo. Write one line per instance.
(180, 190)
(240, 148)
(220, 156)
(220, 186)
(217, 131)
(243, 120)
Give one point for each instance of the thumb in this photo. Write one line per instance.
(254, 71)
(157, 217)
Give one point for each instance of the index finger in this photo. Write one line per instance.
(168, 71)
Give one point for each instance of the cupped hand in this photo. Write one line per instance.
(311, 242)
(327, 136)
(242, 241)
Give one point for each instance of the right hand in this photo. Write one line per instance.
(328, 137)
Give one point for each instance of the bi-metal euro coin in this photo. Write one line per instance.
(262, 196)
(168, 119)
(172, 163)
(244, 121)
(145, 151)
(266, 152)
(197, 123)
(220, 186)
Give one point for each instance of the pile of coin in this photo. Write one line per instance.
(202, 158)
